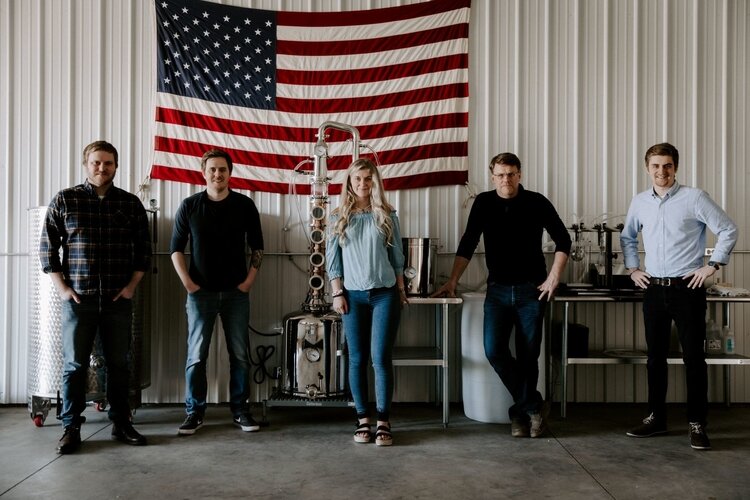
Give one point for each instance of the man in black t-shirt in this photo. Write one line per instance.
(512, 220)
(220, 224)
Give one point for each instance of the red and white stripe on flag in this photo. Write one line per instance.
(260, 83)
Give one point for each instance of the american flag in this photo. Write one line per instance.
(259, 84)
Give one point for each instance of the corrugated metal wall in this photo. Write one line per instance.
(577, 88)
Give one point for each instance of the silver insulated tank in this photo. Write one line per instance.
(45, 358)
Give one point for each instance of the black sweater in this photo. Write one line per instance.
(512, 230)
(219, 233)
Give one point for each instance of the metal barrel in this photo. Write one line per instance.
(45, 357)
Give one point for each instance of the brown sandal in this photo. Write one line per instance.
(383, 436)
(363, 434)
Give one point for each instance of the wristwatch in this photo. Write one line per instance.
(715, 265)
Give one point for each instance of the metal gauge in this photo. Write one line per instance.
(410, 273)
(312, 355)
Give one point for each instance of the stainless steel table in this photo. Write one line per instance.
(436, 355)
(631, 296)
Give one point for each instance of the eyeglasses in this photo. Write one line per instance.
(508, 175)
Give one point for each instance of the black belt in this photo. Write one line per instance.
(674, 282)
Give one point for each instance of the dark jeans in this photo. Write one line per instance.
(505, 307)
(80, 324)
(202, 309)
(370, 327)
(687, 307)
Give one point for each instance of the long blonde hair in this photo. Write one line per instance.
(381, 209)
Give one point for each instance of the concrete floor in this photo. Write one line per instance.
(308, 453)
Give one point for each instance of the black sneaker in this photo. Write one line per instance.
(698, 438)
(246, 423)
(650, 427)
(191, 424)
(70, 440)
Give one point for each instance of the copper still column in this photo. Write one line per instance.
(314, 364)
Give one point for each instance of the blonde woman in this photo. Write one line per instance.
(365, 263)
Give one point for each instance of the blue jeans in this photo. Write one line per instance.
(202, 308)
(505, 307)
(687, 307)
(370, 328)
(80, 325)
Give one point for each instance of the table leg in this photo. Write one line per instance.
(727, 380)
(564, 361)
(444, 351)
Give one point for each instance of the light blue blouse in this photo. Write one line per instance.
(365, 262)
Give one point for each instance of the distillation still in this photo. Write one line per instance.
(314, 361)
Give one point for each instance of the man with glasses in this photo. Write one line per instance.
(512, 220)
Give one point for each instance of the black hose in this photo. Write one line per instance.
(264, 353)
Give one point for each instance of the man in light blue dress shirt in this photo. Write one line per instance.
(673, 220)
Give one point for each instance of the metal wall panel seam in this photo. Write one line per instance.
(7, 333)
(547, 96)
(665, 75)
(724, 167)
(634, 168)
(69, 147)
(606, 188)
(576, 91)
(696, 85)
(38, 89)
(101, 130)
(517, 119)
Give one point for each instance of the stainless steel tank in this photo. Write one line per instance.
(45, 358)
(420, 266)
(314, 364)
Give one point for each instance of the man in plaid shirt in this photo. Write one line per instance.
(103, 232)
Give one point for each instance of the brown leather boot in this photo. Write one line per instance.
(70, 440)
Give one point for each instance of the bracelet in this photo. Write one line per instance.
(338, 293)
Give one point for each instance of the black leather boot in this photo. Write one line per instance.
(125, 433)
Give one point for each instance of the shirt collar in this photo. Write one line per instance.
(92, 190)
(520, 191)
(669, 193)
(89, 188)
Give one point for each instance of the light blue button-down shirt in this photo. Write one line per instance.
(365, 261)
(674, 231)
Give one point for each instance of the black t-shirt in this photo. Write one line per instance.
(220, 233)
(512, 230)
